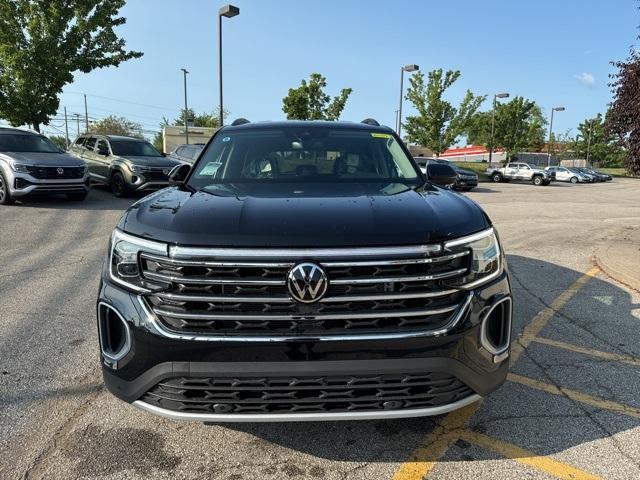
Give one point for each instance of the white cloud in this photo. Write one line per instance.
(586, 79)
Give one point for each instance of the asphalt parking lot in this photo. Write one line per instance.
(570, 409)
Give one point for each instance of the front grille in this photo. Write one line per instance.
(213, 295)
(260, 395)
(155, 174)
(55, 173)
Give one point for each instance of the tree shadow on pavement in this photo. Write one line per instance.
(600, 316)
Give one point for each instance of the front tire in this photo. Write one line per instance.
(496, 177)
(5, 195)
(119, 185)
(574, 180)
(537, 180)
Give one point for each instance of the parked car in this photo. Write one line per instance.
(30, 164)
(315, 275)
(465, 179)
(518, 171)
(186, 153)
(565, 174)
(588, 177)
(601, 177)
(125, 164)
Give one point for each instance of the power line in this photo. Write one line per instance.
(127, 101)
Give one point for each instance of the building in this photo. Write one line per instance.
(473, 154)
(174, 136)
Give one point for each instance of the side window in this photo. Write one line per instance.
(102, 146)
(89, 144)
(179, 151)
(512, 165)
(80, 141)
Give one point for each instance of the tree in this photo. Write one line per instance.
(59, 141)
(113, 125)
(438, 123)
(211, 120)
(310, 102)
(623, 120)
(601, 144)
(519, 126)
(43, 42)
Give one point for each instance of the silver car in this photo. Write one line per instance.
(30, 164)
(187, 153)
(566, 174)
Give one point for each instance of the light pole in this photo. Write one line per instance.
(554, 109)
(228, 11)
(406, 68)
(493, 121)
(186, 108)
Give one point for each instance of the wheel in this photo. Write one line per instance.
(497, 178)
(537, 180)
(118, 185)
(77, 197)
(5, 195)
(546, 182)
(574, 180)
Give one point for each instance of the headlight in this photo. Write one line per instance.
(20, 167)
(124, 261)
(136, 168)
(486, 258)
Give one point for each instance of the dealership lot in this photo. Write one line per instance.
(570, 409)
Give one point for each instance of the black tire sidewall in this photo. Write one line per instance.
(116, 178)
(497, 178)
(537, 180)
(7, 199)
(574, 180)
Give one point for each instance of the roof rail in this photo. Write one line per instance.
(239, 121)
(370, 121)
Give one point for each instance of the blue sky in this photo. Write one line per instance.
(554, 52)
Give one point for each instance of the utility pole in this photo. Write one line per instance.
(228, 11)
(186, 108)
(66, 128)
(406, 68)
(589, 142)
(554, 109)
(86, 115)
(493, 122)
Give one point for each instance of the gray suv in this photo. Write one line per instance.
(30, 164)
(187, 153)
(125, 164)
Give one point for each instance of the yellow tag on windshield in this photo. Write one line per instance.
(381, 135)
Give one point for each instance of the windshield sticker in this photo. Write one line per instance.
(381, 135)
(210, 169)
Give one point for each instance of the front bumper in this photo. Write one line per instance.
(466, 183)
(23, 185)
(153, 358)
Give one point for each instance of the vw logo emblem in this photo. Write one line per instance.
(166, 171)
(307, 282)
(60, 171)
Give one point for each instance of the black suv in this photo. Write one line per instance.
(304, 271)
(125, 164)
(466, 180)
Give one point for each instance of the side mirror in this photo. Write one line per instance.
(441, 175)
(179, 174)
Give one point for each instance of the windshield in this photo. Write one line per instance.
(303, 155)
(27, 143)
(133, 148)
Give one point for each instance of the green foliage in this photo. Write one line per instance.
(519, 126)
(211, 120)
(603, 147)
(438, 123)
(59, 141)
(310, 102)
(113, 125)
(623, 121)
(43, 42)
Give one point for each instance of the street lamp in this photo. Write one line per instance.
(186, 108)
(554, 109)
(228, 11)
(406, 68)
(493, 121)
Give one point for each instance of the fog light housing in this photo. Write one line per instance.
(495, 330)
(115, 335)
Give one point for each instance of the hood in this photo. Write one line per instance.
(150, 161)
(312, 215)
(45, 159)
(466, 172)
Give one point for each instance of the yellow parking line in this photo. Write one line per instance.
(436, 443)
(576, 396)
(532, 330)
(589, 351)
(513, 452)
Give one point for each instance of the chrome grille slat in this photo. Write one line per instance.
(262, 317)
(243, 293)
